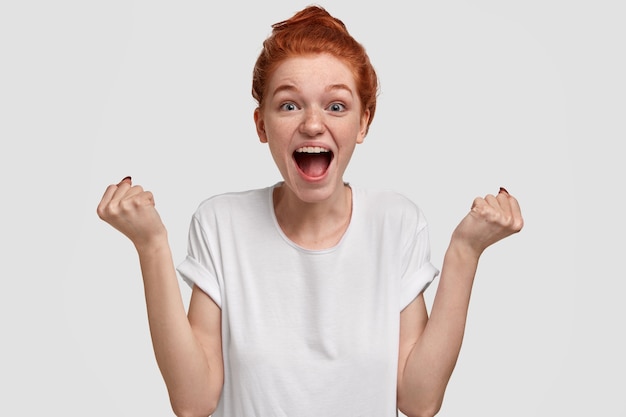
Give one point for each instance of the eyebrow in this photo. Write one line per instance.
(339, 87)
(284, 87)
(291, 87)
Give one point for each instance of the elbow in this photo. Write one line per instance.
(419, 409)
(196, 403)
(200, 410)
(421, 412)
(420, 402)
(187, 412)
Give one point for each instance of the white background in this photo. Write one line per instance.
(474, 95)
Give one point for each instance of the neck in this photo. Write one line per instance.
(317, 225)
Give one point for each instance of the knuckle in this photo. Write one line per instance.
(106, 212)
(126, 205)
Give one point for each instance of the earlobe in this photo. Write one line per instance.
(260, 125)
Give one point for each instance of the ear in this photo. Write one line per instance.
(260, 125)
(365, 118)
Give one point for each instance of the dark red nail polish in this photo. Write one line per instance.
(128, 178)
(503, 190)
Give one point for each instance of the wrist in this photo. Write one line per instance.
(153, 245)
(463, 250)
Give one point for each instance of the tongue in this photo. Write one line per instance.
(313, 165)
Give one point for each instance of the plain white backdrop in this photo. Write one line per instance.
(474, 95)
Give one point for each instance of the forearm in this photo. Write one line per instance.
(432, 354)
(193, 382)
(433, 357)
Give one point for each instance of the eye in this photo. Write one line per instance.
(336, 107)
(289, 106)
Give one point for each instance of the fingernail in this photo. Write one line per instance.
(128, 178)
(503, 190)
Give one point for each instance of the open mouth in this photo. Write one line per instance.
(313, 161)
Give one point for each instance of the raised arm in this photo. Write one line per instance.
(429, 347)
(187, 347)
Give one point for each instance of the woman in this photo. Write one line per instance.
(307, 295)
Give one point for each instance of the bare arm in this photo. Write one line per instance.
(187, 349)
(429, 347)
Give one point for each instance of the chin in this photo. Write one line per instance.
(319, 192)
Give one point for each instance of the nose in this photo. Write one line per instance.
(312, 122)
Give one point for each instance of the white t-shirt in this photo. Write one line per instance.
(309, 332)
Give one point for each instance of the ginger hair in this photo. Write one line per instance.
(313, 31)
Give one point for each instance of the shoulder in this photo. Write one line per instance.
(392, 206)
(384, 200)
(234, 203)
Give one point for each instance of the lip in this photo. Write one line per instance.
(311, 144)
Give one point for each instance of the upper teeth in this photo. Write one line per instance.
(311, 149)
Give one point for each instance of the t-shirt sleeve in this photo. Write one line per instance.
(418, 271)
(198, 268)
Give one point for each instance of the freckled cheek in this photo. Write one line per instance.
(279, 152)
(280, 133)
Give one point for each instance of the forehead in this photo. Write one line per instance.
(312, 70)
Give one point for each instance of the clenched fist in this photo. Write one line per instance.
(131, 210)
(490, 219)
